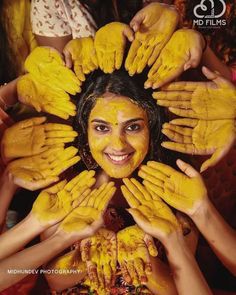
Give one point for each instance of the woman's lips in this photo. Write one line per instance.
(119, 159)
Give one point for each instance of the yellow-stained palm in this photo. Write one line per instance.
(41, 170)
(50, 99)
(100, 254)
(183, 51)
(134, 248)
(46, 65)
(201, 100)
(148, 210)
(200, 137)
(55, 203)
(33, 136)
(156, 24)
(183, 192)
(110, 42)
(82, 55)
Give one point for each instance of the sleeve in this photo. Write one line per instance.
(49, 19)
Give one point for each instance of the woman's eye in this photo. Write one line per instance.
(101, 128)
(133, 127)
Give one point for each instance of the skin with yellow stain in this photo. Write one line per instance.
(82, 55)
(213, 100)
(118, 135)
(32, 136)
(110, 47)
(134, 248)
(185, 192)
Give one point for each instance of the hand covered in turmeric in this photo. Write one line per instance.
(81, 53)
(100, 254)
(134, 247)
(50, 99)
(55, 203)
(154, 25)
(41, 170)
(148, 210)
(32, 136)
(201, 100)
(183, 191)
(183, 51)
(109, 42)
(87, 218)
(200, 137)
(46, 65)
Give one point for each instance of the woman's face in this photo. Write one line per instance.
(118, 135)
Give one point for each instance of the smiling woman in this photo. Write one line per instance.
(119, 124)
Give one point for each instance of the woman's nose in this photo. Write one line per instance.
(118, 142)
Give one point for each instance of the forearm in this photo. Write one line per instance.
(220, 236)
(210, 60)
(7, 191)
(29, 259)
(185, 271)
(17, 237)
(8, 94)
(70, 262)
(160, 280)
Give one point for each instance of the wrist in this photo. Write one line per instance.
(201, 214)
(7, 182)
(34, 223)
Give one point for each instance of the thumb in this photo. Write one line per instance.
(137, 21)
(68, 58)
(128, 33)
(215, 77)
(187, 169)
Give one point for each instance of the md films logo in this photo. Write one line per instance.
(209, 14)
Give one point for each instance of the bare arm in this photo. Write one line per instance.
(185, 270)
(8, 94)
(220, 236)
(56, 42)
(210, 60)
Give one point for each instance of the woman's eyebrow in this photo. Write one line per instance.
(99, 121)
(124, 123)
(133, 120)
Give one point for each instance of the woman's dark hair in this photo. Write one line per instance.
(104, 11)
(119, 83)
(8, 70)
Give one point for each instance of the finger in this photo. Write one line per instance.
(139, 217)
(132, 54)
(92, 273)
(139, 266)
(181, 147)
(185, 122)
(52, 110)
(167, 77)
(57, 187)
(125, 273)
(128, 33)
(107, 275)
(130, 198)
(133, 189)
(187, 169)
(150, 186)
(183, 112)
(61, 134)
(137, 21)
(85, 246)
(219, 80)
(100, 275)
(165, 169)
(65, 165)
(132, 273)
(176, 104)
(150, 245)
(177, 134)
(142, 189)
(144, 59)
(172, 96)
(119, 58)
(105, 200)
(182, 86)
(85, 175)
(151, 179)
(158, 175)
(31, 122)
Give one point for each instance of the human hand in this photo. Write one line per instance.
(82, 55)
(200, 137)
(134, 247)
(183, 51)
(46, 65)
(55, 203)
(201, 100)
(110, 47)
(184, 191)
(87, 218)
(154, 25)
(100, 254)
(50, 99)
(151, 214)
(33, 136)
(39, 171)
